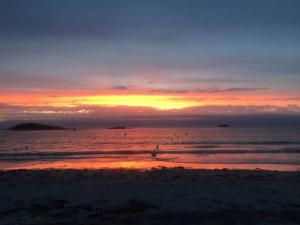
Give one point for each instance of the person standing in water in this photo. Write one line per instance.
(154, 153)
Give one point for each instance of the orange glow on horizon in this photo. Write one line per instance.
(64, 101)
(161, 102)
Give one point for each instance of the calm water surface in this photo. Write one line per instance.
(242, 148)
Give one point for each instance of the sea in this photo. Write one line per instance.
(148, 148)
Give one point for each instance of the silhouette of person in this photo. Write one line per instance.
(154, 153)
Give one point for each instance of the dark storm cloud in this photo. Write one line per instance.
(160, 19)
(178, 44)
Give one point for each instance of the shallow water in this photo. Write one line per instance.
(265, 148)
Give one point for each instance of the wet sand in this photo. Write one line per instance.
(157, 196)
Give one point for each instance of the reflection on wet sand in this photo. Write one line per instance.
(143, 165)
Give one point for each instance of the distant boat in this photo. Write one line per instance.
(118, 128)
(35, 126)
(224, 125)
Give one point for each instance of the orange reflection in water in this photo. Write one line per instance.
(140, 165)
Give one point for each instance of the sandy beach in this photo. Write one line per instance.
(156, 196)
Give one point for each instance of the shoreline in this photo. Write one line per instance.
(155, 196)
(144, 163)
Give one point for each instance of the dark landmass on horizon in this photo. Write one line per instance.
(266, 120)
(118, 128)
(35, 126)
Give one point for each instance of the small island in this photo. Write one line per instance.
(35, 126)
(118, 128)
(224, 125)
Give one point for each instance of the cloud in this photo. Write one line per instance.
(294, 99)
(208, 90)
(168, 91)
(119, 87)
(12, 112)
(155, 20)
(156, 47)
(239, 89)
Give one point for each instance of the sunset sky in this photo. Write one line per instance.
(113, 58)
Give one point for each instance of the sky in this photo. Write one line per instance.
(114, 58)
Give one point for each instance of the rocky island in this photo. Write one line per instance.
(224, 125)
(118, 128)
(35, 126)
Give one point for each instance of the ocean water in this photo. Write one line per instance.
(210, 148)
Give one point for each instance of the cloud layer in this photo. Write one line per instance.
(223, 53)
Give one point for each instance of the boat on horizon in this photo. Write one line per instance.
(118, 127)
(223, 125)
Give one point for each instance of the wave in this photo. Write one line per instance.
(239, 142)
(176, 142)
(95, 154)
(205, 143)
